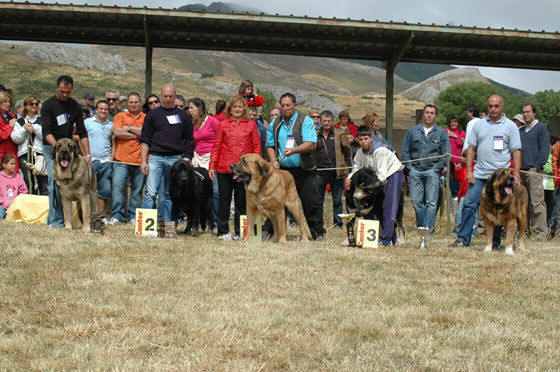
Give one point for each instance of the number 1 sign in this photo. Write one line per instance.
(146, 222)
(368, 234)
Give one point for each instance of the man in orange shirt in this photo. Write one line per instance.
(127, 127)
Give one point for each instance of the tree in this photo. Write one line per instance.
(547, 104)
(456, 100)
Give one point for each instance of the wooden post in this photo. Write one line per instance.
(448, 191)
(148, 72)
(389, 91)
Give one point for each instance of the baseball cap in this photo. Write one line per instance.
(89, 96)
(518, 117)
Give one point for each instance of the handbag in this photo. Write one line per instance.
(39, 164)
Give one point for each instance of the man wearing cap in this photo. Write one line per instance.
(89, 99)
(518, 120)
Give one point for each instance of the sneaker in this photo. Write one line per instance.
(105, 220)
(320, 237)
(227, 238)
(384, 244)
(456, 244)
(112, 221)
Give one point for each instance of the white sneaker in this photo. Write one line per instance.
(104, 220)
(227, 238)
(113, 221)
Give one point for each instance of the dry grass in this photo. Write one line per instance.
(70, 300)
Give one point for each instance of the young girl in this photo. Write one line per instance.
(247, 90)
(11, 183)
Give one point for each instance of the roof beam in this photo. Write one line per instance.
(394, 60)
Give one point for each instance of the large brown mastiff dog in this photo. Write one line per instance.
(504, 204)
(76, 180)
(269, 191)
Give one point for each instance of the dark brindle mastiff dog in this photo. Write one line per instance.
(504, 204)
(76, 180)
(365, 199)
(269, 191)
(190, 190)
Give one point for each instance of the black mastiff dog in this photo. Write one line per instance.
(190, 190)
(365, 199)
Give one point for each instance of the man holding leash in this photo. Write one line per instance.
(495, 140)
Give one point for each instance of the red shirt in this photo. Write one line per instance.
(233, 140)
(352, 128)
(221, 116)
(456, 144)
(255, 100)
(6, 143)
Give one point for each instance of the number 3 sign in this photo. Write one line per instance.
(146, 222)
(368, 234)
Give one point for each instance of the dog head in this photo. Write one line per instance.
(181, 178)
(65, 156)
(500, 185)
(364, 192)
(253, 170)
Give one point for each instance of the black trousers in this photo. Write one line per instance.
(226, 185)
(38, 184)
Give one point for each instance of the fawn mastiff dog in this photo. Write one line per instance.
(76, 180)
(270, 191)
(504, 204)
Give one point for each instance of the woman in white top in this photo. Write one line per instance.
(28, 135)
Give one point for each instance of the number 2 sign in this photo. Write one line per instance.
(368, 234)
(146, 222)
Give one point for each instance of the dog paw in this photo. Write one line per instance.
(194, 233)
(488, 248)
(509, 250)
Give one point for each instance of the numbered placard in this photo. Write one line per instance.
(368, 234)
(244, 227)
(146, 222)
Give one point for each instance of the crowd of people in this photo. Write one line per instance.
(132, 146)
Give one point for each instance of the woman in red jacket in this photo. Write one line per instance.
(7, 122)
(237, 135)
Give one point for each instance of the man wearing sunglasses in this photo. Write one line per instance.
(113, 97)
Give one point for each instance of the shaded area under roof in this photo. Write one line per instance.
(354, 39)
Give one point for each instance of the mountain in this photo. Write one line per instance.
(221, 7)
(413, 72)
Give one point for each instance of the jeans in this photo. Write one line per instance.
(458, 215)
(121, 173)
(157, 183)
(56, 214)
(103, 174)
(324, 177)
(424, 192)
(392, 191)
(3, 213)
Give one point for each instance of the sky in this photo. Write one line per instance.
(535, 15)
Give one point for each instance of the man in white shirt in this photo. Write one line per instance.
(375, 155)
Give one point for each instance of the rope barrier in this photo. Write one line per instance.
(402, 162)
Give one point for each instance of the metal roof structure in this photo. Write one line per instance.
(261, 33)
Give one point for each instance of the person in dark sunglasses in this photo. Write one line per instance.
(112, 96)
(151, 103)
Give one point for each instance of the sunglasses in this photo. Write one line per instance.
(112, 99)
(33, 104)
(315, 116)
(152, 102)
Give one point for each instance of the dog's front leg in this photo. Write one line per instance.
(251, 216)
(86, 214)
(511, 227)
(67, 209)
(489, 229)
(281, 224)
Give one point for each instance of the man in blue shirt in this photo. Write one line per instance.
(291, 139)
(425, 140)
(495, 140)
(100, 132)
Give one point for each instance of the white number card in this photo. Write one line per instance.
(368, 234)
(146, 222)
(173, 119)
(61, 119)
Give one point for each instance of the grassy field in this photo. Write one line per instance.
(75, 301)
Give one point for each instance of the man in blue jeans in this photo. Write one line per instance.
(167, 136)
(59, 115)
(425, 140)
(495, 140)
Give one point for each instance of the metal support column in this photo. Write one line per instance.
(390, 66)
(148, 69)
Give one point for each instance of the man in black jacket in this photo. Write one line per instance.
(60, 115)
(534, 155)
(167, 136)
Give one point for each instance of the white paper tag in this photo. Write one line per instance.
(173, 119)
(368, 234)
(61, 119)
(290, 143)
(498, 143)
(146, 222)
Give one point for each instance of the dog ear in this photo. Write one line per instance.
(264, 167)
(75, 149)
(490, 186)
(55, 150)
